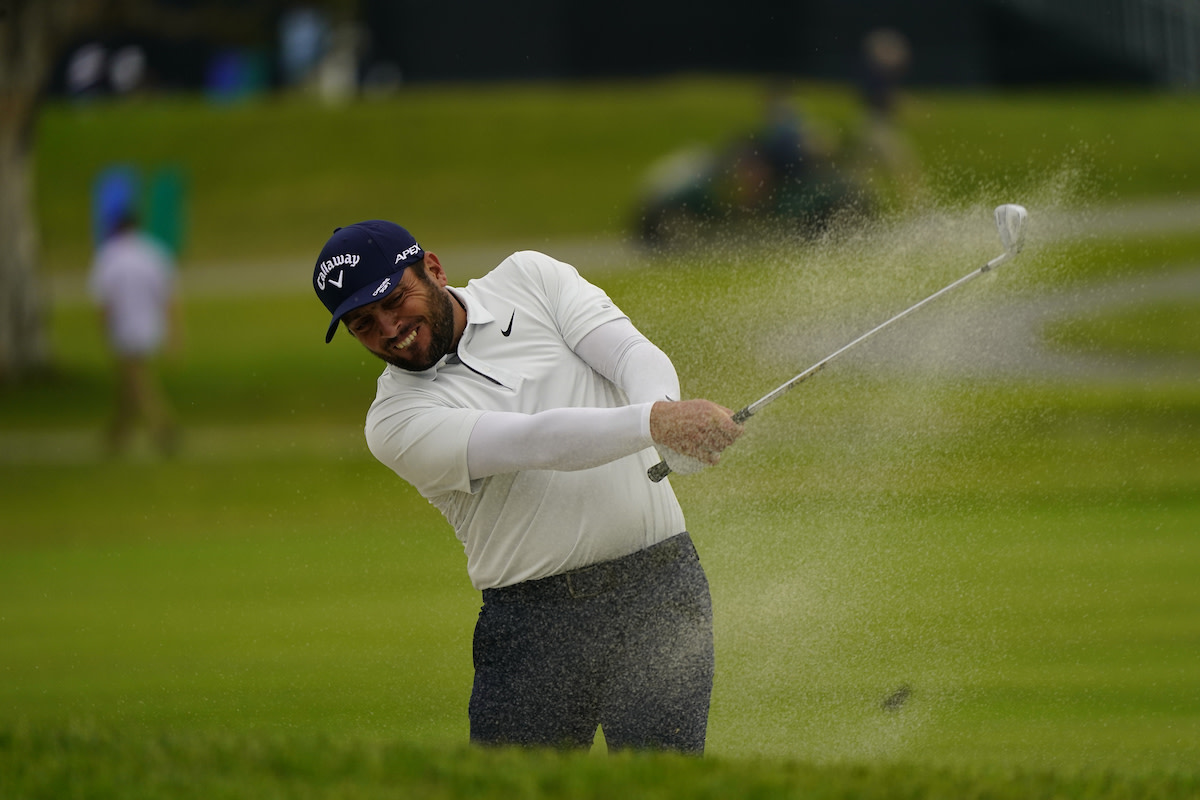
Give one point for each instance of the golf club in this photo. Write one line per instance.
(1010, 220)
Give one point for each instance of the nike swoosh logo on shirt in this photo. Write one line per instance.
(508, 330)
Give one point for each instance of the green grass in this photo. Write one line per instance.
(275, 614)
(517, 163)
(218, 595)
(1101, 144)
(457, 163)
(1111, 257)
(1170, 329)
(53, 764)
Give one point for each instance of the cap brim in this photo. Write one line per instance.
(363, 297)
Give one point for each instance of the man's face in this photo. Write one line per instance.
(412, 327)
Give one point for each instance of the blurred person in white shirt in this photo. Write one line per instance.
(133, 282)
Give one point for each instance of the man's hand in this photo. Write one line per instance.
(697, 429)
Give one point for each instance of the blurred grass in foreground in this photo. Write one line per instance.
(94, 762)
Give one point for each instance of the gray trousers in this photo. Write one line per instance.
(625, 644)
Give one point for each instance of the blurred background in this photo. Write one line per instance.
(817, 106)
(375, 44)
(996, 510)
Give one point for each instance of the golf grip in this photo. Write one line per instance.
(661, 470)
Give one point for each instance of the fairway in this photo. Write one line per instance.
(971, 545)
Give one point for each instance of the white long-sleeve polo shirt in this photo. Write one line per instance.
(525, 320)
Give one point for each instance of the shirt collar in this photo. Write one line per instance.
(477, 314)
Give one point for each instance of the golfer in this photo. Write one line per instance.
(527, 408)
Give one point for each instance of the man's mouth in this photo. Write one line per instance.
(406, 341)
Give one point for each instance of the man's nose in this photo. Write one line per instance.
(389, 323)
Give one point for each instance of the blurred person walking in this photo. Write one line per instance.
(527, 408)
(886, 57)
(132, 280)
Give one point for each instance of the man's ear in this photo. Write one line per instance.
(433, 268)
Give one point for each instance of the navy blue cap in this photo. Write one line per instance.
(360, 264)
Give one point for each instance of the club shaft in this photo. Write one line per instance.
(774, 394)
(661, 470)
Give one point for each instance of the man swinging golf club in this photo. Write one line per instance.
(527, 408)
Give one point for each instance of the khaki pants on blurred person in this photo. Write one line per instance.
(140, 398)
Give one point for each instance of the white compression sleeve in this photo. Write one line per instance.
(619, 352)
(581, 438)
(560, 439)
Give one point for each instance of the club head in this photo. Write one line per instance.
(1010, 220)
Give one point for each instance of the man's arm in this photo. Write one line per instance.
(619, 352)
(581, 438)
(559, 439)
(689, 436)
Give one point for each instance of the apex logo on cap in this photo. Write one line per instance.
(409, 253)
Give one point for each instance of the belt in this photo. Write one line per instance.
(596, 579)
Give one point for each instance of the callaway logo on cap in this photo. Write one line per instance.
(361, 263)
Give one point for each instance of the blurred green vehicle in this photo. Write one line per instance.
(768, 182)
